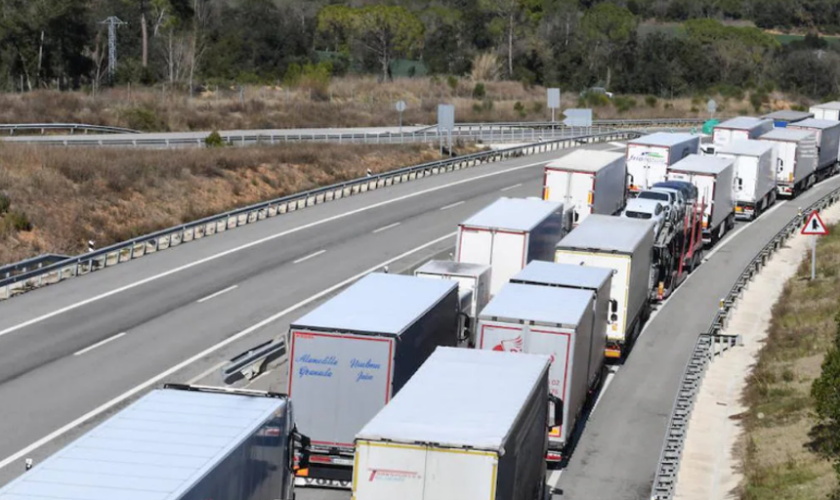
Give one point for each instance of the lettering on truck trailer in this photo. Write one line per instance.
(392, 475)
(327, 361)
(652, 156)
(362, 376)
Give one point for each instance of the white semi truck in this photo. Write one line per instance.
(827, 133)
(587, 182)
(470, 425)
(713, 178)
(796, 159)
(649, 157)
(741, 128)
(755, 176)
(826, 111)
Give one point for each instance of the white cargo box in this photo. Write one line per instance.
(796, 157)
(470, 425)
(827, 133)
(588, 182)
(826, 111)
(755, 176)
(648, 157)
(740, 128)
(713, 178)
(508, 234)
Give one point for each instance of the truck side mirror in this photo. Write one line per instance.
(302, 449)
(557, 421)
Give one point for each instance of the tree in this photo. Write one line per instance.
(826, 393)
(506, 14)
(335, 27)
(607, 26)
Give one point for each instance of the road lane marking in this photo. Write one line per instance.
(259, 242)
(618, 145)
(453, 205)
(220, 292)
(389, 226)
(511, 187)
(210, 350)
(99, 344)
(310, 256)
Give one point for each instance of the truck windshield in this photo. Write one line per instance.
(653, 195)
(637, 215)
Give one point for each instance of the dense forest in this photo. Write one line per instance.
(571, 43)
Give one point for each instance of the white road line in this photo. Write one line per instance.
(207, 372)
(618, 145)
(310, 256)
(220, 292)
(385, 228)
(453, 205)
(259, 242)
(511, 187)
(607, 381)
(210, 350)
(98, 344)
(554, 477)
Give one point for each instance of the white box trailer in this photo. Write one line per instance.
(796, 159)
(648, 157)
(353, 353)
(713, 178)
(470, 425)
(587, 182)
(557, 322)
(826, 111)
(597, 280)
(625, 246)
(473, 288)
(785, 117)
(508, 234)
(755, 176)
(741, 128)
(827, 133)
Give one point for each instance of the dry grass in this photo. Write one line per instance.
(72, 195)
(779, 463)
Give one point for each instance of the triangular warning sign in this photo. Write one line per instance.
(814, 226)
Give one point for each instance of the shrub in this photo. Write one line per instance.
(624, 104)
(538, 106)
(519, 108)
(214, 140)
(5, 203)
(452, 82)
(756, 100)
(595, 99)
(18, 220)
(695, 109)
(144, 119)
(650, 101)
(479, 91)
(485, 68)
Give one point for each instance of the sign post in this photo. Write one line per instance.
(553, 96)
(712, 107)
(814, 227)
(400, 108)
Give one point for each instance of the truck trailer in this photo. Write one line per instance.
(783, 118)
(741, 128)
(827, 133)
(713, 177)
(470, 425)
(755, 176)
(626, 247)
(587, 182)
(593, 279)
(178, 443)
(557, 322)
(508, 234)
(649, 157)
(473, 289)
(352, 354)
(796, 159)
(826, 111)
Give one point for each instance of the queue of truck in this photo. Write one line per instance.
(471, 377)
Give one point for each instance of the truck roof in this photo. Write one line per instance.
(539, 304)
(741, 123)
(585, 160)
(157, 448)
(663, 139)
(746, 148)
(701, 164)
(608, 234)
(460, 398)
(827, 105)
(452, 268)
(565, 275)
(816, 124)
(518, 214)
(788, 115)
(787, 134)
(384, 304)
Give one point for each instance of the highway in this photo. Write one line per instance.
(75, 352)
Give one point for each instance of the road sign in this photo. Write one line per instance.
(400, 106)
(578, 118)
(553, 96)
(814, 226)
(446, 117)
(712, 107)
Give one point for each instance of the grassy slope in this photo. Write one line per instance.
(72, 195)
(779, 464)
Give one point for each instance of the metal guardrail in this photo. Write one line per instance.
(29, 264)
(665, 480)
(72, 128)
(251, 363)
(613, 123)
(185, 233)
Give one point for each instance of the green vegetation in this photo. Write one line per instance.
(214, 140)
(792, 428)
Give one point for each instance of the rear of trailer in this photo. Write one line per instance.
(785, 117)
(827, 133)
(741, 128)
(594, 279)
(625, 246)
(352, 354)
(755, 176)
(796, 159)
(470, 425)
(713, 177)
(587, 182)
(176, 443)
(648, 157)
(557, 322)
(826, 111)
(508, 234)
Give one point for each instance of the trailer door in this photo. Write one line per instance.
(475, 245)
(556, 344)
(556, 185)
(507, 258)
(786, 162)
(582, 195)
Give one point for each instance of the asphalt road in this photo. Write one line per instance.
(73, 353)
